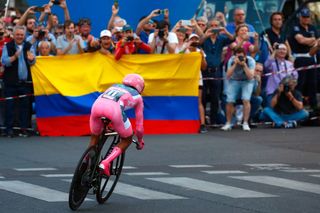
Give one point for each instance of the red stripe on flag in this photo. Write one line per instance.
(79, 126)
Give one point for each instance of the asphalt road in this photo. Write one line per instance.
(265, 170)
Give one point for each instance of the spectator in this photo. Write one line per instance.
(29, 20)
(240, 74)
(146, 26)
(315, 48)
(239, 18)
(202, 23)
(256, 98)
(130, 43)
(213, 45)
(89, 40)
(3, 40)
(194, 46)
(58, 30)
(55, 19)
(44, 48)
(115, 20)
(162, 41)
(302, 39)
(182, 40)
(221, 18)
(274, 35)
(17, 57)
(242, 37)
(286, 105)
(40, 33)
(69, 43)
(106, 45)
(279, 68)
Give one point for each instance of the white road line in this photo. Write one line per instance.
(302, 170)
(315, 176)
(34, 191)
(210, 187)
(56, 175)
(1, 177)
(267, 164)
(34, 169)
(190, 166)
(214, 172)
(129, 167)
(282, 182)
(145, 173)
(141, 193)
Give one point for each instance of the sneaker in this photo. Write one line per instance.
(226, 127)
(203, 129)
(290, 125)
(24, 134)
(245, 127)
(105, 169)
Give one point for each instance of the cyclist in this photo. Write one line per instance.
(112, 104)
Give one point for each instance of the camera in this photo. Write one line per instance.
(56, 2)
(195, 44)
(130, 38)
(160, 12)
(276, 46)
(161, 33)
(215, 30)
(41, 34)
(38, 9)
(286, 88)
(241, 58)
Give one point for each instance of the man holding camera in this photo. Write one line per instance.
(286, 105)
(162, 41)
(130, 43)
(239, 75)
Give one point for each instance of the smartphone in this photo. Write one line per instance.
(251, 34)
(160, 11)
(116, 4)
(38, 9)
(185, 22)
(57, 2)
(216, 30)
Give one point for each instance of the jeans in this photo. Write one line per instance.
(24, 106)
(279, 119)
(256, 104)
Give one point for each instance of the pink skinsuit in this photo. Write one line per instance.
(112, 104)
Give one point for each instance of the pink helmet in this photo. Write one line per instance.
(134, 80)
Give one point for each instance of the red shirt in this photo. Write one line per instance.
(130, 48)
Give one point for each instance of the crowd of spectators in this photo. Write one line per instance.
(237, 85)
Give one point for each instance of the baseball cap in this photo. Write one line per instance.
(193, 35)
(126, 28)
(104, 33)
(305, 12)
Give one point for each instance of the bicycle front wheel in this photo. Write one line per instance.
(82, 178)
(107, 184)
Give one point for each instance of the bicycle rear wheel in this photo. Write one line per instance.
(107, 184)
(82, 178)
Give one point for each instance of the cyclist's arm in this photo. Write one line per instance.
(139, 119)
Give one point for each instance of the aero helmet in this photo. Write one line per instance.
(134, 80)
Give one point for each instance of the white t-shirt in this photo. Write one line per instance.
(172, 39)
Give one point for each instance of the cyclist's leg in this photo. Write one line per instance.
(124, 128)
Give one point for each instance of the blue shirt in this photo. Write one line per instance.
(213, 51)
(22, 66)
(144, 37)
(35, 44)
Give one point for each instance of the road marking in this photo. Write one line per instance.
(315, 176)
(129, 167)
(210, 187)
(141, 193)
(1, 177)
(282, 182)
(56, 175)
(213, 172)
(269, 166)
(34, 169)
(302, 170)
(34, 191)
(190, 166)
(145, 173)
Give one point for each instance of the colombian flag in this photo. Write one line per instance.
(65, 87)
